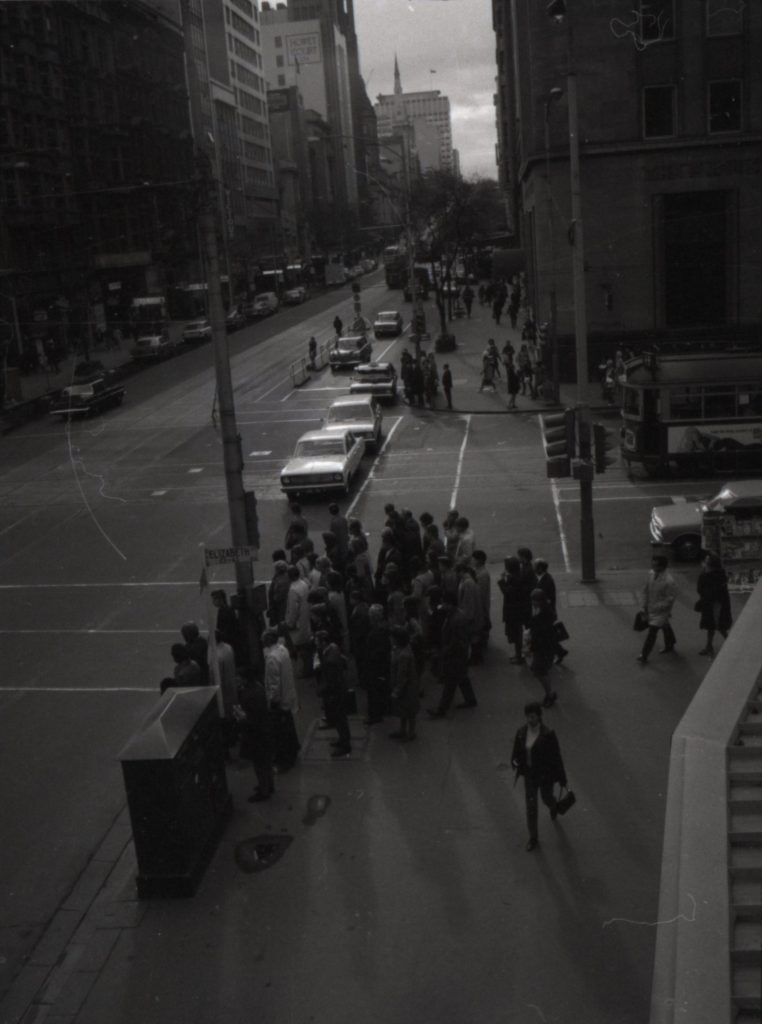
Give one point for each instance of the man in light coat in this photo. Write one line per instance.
(298, 617)
(282, 700)
(659, 596)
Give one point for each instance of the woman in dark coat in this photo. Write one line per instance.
(513, 606)
(543, 643)
(404, 684)
(713, 602)
(537, 757)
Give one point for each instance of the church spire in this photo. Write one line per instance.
(397, 82)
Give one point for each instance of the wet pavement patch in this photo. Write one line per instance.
(261, 852)
(317, 805)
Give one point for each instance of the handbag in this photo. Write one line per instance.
(567, 801)
(641, 622)
(350, 702)
(562, 633)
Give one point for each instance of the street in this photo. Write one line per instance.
(100, 533)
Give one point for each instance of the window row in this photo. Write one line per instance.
(724, 109)
(715, 402)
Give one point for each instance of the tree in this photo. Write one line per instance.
(449, 216)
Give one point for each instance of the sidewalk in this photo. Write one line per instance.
(466, 366)
(411, 898)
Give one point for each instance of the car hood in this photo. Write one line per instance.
(684, 515)
(313, 465)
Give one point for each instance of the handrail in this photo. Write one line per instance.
(692, 968)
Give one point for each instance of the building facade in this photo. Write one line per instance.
(398, 108)
(670, 133)
(95, 156)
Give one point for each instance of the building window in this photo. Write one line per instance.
(281, 80)
(724, 18)
(724, 107)
(657, 20)
(278, 42)
(279, 61)
(658, 111)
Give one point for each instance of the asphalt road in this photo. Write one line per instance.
(100, 528)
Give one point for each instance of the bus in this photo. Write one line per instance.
(699, 412)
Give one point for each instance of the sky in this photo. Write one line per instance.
(453, 38)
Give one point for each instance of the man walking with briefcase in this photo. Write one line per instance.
(537, 756)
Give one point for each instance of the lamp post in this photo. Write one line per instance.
(550, 97)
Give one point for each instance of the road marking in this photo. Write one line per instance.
(196, 469)
(459, 470)
(86, 632)
(253, 455)
(283, 380)
(78, 689)
(96, 586)
(259, 423)
(623, 497)
(157, 494)
(19, 522)
(560, 521)
(286, 397)
(370, 475)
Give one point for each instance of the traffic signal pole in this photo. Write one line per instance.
(585, 468)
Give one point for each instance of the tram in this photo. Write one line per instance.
(699, 413)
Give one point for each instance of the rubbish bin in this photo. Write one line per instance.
(177, 790)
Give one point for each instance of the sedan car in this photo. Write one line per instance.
(89, 394)
(263, 305)
(376, 379)
(361, 414)
(235, 319)
(323, 461)
(388, 323)
(153, 345)
(295, 296)
(679, 524)
(197, 331)
(349, 351)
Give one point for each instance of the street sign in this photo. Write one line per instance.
(229, 556)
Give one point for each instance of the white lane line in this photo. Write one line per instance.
(281, 382)
(78, 689)
(286, 397)
(18, 522)
(85, 632)
(266, 422)
(560, 521)
(370, 475)
(624, 497)
(158, 494)
(459, 470)
(97, 586)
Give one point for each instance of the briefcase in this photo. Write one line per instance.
(562, 633)
(566, 802)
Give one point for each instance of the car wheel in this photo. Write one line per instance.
(687, 548)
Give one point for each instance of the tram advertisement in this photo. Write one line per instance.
(719, 437)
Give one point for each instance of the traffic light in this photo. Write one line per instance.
(603, 441)
(558, 440)
(356, 287)
(419, 323)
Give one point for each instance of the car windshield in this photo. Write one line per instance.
(78, 389)
(387, 317)
(320, 446)
(350, 412)
(196, 324)
(374, 375)
(350, 344)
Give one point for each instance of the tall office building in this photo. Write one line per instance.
(670, 133)
(399, 108)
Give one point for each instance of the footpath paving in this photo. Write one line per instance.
(408, 894)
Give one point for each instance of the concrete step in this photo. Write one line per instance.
(746, 896)
(745, 828)
(750, 726)
(745, 861)
(749, 738)
(745, 796)
(748, 1017)
(739, 756)
(746, 943)
(745, 987)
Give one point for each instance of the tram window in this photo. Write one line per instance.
(719, 402)
(750, 403)
(685, 404)
(631, 402)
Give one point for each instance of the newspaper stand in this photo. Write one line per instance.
(737, 539)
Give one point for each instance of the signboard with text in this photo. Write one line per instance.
(303, 48)
(229, 556)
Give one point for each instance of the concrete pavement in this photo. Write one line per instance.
(412, 897)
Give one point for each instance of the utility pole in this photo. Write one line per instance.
(241, 508)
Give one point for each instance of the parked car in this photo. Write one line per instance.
(87, 395)
(153, 345)
(359, 413)
(263, 305)
(295, 296)
(376, 379)
(349, 351)
(369, 264)
(197, 331)
(388, 323)
(235, 319)
(679, 524)
(323, 461)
